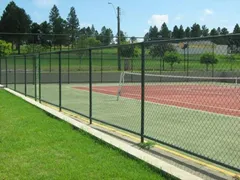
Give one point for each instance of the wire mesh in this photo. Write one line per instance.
(123, 112)
(193, 104)
(188, 99)
(75, 77)
(49, 80)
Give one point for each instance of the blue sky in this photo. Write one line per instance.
(138, 15)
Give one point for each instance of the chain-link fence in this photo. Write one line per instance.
(182, 93)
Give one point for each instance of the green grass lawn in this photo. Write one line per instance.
(107, 61)
(34, 145)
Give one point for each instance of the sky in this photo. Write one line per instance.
(138, 15)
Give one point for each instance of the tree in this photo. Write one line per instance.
(213, 32)
(34, 29)
(219, 30)
(181, 32)
(58, 26)
(236, 29)
(106, 36)
(5, 48)
(123, 36)
(133, 39)
(164, 32)
(45, 29)
(205, 31)
(53, 16)
(158, 50)
(175, 33)
(196, 30)
(171, 57)
(224, 31)
(15, 20)
(188, 32)
(208, 59)
(72, 24)
(128, 52)
(153, 33)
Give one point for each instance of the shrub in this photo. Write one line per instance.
(208, 59)
(171, 57)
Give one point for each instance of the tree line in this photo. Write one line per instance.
(15, 23)
(17, 28)
(179, 32)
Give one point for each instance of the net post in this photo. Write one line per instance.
(121, 82)
(25, 75)
(90, 86)
(60, 81)
(39, 77)
(14, 63)
(142, 91)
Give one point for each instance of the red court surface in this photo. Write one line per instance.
(218, 99)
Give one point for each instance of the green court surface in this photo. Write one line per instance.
(212, 135)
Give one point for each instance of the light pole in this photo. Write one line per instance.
(118, 32)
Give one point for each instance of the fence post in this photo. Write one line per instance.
(213, 57)
(101, 65)
(0, 67)
(188, 60)
(14, 64)
(142, 92)
(68, 66)
(60, 81)
(25, 75)
(35, 76)
(50, 62)
(90, 86)
(6, 78)
(39, 77)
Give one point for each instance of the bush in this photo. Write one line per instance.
(172, 57)
(208, 59)
(5, 48)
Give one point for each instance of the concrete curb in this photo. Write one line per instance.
(164, 166)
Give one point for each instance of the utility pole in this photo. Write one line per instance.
(119, 43)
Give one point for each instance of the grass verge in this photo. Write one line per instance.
(34, 145)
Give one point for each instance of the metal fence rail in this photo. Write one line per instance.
(182, 93)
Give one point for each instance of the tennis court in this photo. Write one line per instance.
(202, 118)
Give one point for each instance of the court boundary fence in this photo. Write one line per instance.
(36, 82)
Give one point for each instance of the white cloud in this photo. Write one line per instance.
(208, 12)
(158, 20)
(44, 3)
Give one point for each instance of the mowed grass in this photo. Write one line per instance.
(107, 60)
(34, 145)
